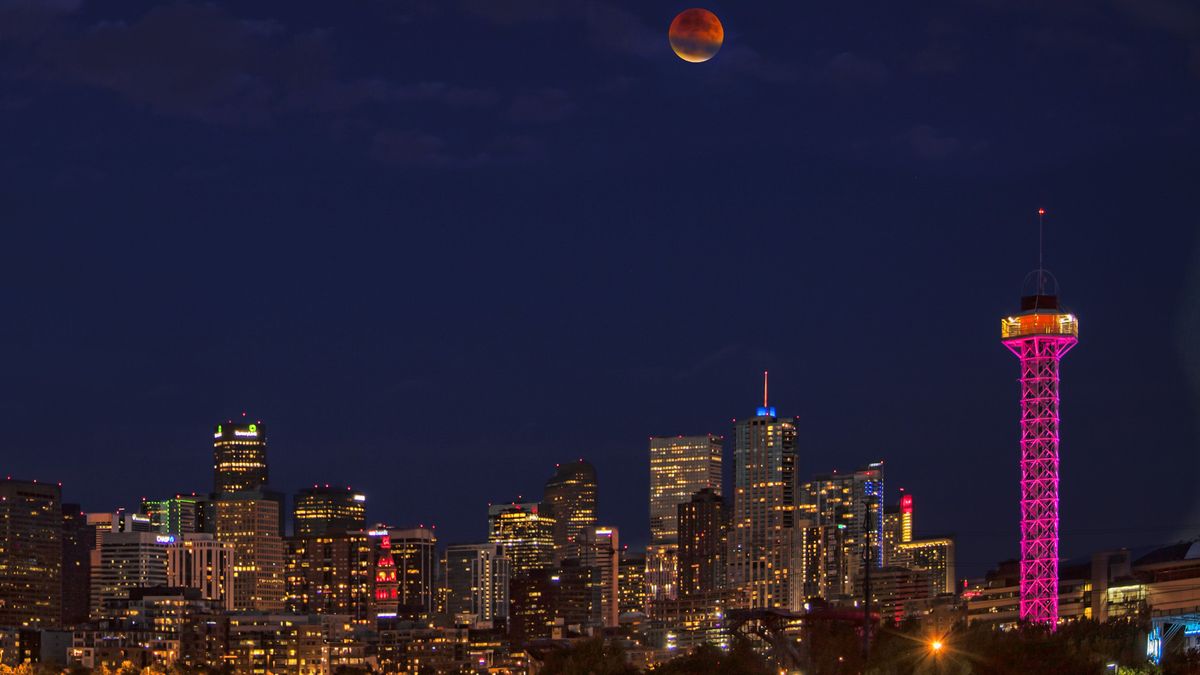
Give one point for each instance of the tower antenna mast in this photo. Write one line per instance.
(1041, 265)
(764, 388)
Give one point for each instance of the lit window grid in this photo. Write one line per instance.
(680, 467)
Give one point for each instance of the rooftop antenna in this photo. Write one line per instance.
(1041, 266)
(764, 389)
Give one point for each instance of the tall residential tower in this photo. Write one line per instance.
(761, 534)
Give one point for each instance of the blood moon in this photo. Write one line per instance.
(696, 35)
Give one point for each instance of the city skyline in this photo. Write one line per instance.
(581, 297)
(639, 539)
(436, 336)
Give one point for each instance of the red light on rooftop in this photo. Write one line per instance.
(1041, 212)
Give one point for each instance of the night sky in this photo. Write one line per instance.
(438, 246)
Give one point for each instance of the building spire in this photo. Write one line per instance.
(764, 389)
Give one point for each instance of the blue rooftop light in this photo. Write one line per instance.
(766, 411)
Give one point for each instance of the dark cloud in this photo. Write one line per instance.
(335, 95)
(518, 11)
(199, 61)
(411, 148)
(850, 69)
(418, 149)
(1099, 57)
(547, 105)
(941, 57)
(44, 5)
(25, 21)
(740, 61)
(607, 26)
(1180, 18)
(930, 143)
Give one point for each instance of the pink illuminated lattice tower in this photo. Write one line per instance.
(1040, 335)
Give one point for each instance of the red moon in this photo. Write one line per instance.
(696, 35)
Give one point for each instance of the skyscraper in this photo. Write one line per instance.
(526, 534)
(176, 515)
(764, 502)
(570, 498)
(600, 547)
(250, 522)
(331, 574)
(897, 525)
(414, 553)
(248, 515)
(327, 510)
(1040, 335)
(851, 504)
(702, 544)
(935, 556)
(198, 561)
(680, 466)
(239, 457)
(128, 560)
(31, 554)
(77, 540)
(387, 588)
(478, 577)
(631, 582)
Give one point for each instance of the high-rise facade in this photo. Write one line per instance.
(702, 544)
(555, 603)
(477, 576)
(246, 514)
(127, 561)
(600, 547)
(849, 508)
(631, 582)
(764, 510)
(120, 520)
(331, 574)
(414, 554)
(897, 525)
(177, 515)
(77, 540)
(239, 457)
(680, 466)
(935, 556)
(31, 554)
(250, 522)
(386, 592)
(526, 534)
(199, 561)
(570, 498)
(322, 509)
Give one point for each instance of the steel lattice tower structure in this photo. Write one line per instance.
(1039, 336)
